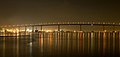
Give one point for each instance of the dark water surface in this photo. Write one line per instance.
(63, 44)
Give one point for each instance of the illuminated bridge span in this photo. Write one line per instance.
(58, 24)
(65, 23)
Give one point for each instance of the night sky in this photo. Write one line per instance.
(36, 11)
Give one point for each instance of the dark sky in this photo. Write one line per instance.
(36, 11)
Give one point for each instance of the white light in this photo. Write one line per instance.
(105, 30)
(42, 30)
(74, 31)
(29, 30)
(48, 31)
(56, 30)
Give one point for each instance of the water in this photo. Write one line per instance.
(62, 44)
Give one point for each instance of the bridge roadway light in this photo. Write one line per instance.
(17, 25)
(106, 23)
(103, 23)
(69, 22)
(22, 25)
(82, 22)
(26, 24)
(105, 30)
(88, 22)
(5, 26)
(39, 23)
(58, 23)
(74, 22)
(62, 22)
(65, 23)
(91, 24)
(113, 23)
(53, 23)
(79, 22)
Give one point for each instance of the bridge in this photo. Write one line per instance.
(59, 24)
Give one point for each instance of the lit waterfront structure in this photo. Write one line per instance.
(33, 32)
(16, 28)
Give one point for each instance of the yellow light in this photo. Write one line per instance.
(48, 31)
(9, 30)
(28, 30)
(56, 30)
(17, 30)
(12, 30)
(74, 31)
(105, 30)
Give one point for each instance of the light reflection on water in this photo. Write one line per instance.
(62, 44)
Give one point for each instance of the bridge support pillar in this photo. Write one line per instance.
(19, 31)
(80, 28)
(32, 29)
(103, 28)
(58, 27)
(32, 34)
(41, 28)
(113, 28)
(25, 29)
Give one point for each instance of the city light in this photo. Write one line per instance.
(105, 30)
(48, 31)
(28, 30)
